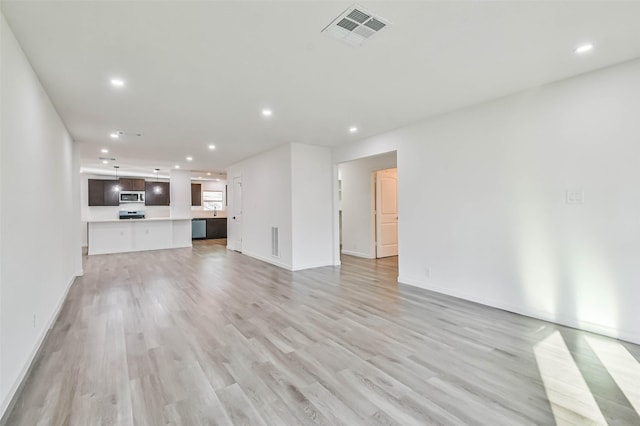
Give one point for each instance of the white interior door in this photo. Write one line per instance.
(237, 213)
(387, 213)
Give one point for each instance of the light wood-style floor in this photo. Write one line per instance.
(209, 336)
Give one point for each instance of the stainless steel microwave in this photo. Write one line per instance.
(131, 197)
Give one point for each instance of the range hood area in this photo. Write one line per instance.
(131, 214)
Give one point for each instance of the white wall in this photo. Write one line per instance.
(482, 201)
(358, 203)
(266, 199)
(40, 238)
(289, 187)
(4, 393)
(312, 206)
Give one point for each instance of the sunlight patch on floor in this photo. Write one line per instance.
(622, 366)
(570, 397)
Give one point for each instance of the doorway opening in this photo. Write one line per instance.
(368, 208)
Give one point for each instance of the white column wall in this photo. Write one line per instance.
(312, 206)
(289, 187)
(180, 204)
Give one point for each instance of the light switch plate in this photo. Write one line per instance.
(575, 196)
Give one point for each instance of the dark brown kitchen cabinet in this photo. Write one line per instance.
(111, 193)
(196, 194)
(216, 227)
(157, 194)
(103, 192)
(96, 192)
(128, 184)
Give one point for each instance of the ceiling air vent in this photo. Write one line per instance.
(347, 24)
(355, 25)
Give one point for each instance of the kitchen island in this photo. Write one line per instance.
(127, 235)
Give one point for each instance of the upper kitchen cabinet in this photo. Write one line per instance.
(157, 194)
(196, 194)
(111, 193)
(96, 192)
(128, 184)
(103, 192)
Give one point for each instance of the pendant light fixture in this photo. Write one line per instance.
(157, 189)
(117, 186)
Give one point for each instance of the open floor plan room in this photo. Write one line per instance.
(287, 212)
(209, 336)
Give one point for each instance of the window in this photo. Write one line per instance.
(212, 200)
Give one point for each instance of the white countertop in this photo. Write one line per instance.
(208, 217)
(138, 220)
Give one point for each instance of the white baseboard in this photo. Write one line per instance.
(357, 254)
(9, 399)
(312, 265)
(273, 261)
(520, 310)
(277, 262)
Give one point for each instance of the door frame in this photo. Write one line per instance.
(237, 230)
(374, 210)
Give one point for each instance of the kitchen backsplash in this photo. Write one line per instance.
(111, 212)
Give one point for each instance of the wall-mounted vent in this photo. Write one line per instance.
(355, 25)
(275, 244)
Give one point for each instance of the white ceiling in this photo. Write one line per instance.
(200, 72)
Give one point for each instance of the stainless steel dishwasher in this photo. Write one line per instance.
(198, 229)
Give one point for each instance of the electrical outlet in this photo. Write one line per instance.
(34, 320)
(575, 196)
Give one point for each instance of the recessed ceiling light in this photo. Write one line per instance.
(105, 162)
(208, 174)
(104, 151)
(267, 112)
(217, 180)
(353, 129)
(177, 166)
(212, 147)
(114, 135)
(189, 158)
(584, 48)
(117, 82)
